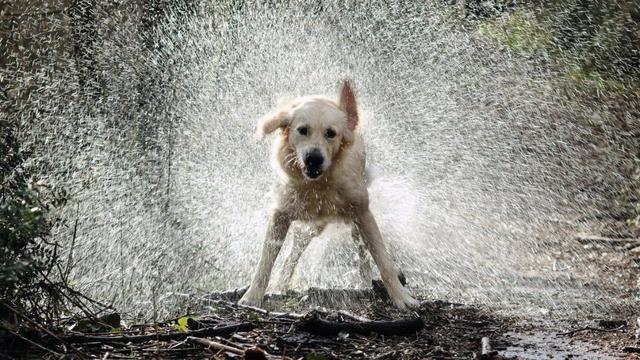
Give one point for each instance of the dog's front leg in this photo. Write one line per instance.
(364, 266)
(278, 226)
(371, 236)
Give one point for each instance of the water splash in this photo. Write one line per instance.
(477, 154)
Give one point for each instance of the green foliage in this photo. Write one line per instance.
(253, 317)
(182, 324)
(518, 31)
(599, 40)
(314, 356)
(588, 81)
(594, 48)
(293, 303)
(25, 204)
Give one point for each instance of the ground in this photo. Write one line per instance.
(450, 331)
(291, 325)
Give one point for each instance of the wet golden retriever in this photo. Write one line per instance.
(319, 154)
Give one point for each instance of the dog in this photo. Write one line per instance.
(320, 157)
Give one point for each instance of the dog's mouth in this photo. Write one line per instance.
(312, 173)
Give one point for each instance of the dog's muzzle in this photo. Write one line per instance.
(313, 161)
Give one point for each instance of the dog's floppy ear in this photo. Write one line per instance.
(274, 120)
(348, 104)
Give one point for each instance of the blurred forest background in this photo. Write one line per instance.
(57, 57)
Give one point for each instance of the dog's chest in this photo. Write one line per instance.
(315, 203)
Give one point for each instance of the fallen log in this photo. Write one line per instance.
(178, 336)
(318, 326)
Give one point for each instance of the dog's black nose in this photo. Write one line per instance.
(313, 159)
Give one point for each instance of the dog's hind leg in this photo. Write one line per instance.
(364, 265)
(277, 231)
(373, 239)
(301, 241)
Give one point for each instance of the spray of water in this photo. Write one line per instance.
(477, 156)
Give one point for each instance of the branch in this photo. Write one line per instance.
(215, 345)
(178, 336)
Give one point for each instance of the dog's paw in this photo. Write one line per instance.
(411, 302)
(250, 300)
(405, 302)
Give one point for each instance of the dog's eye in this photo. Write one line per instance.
(330, 133)
(303, 130)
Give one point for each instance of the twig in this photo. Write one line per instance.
(348, 315)
(92, 301)
(74, 300)
(215, 345)
(251, 353)
(69, 266)
(288, 315)
(211, 331)
(263, 311)
(252, 308)
(588, 328)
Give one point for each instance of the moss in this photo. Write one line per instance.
(519, 31)
(588, 81)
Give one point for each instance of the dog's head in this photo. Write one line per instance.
(315, 129)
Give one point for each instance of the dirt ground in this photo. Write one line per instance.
(447, 331)
(361, 324)
(443, 331)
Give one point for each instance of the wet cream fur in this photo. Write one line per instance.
(339, 194)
